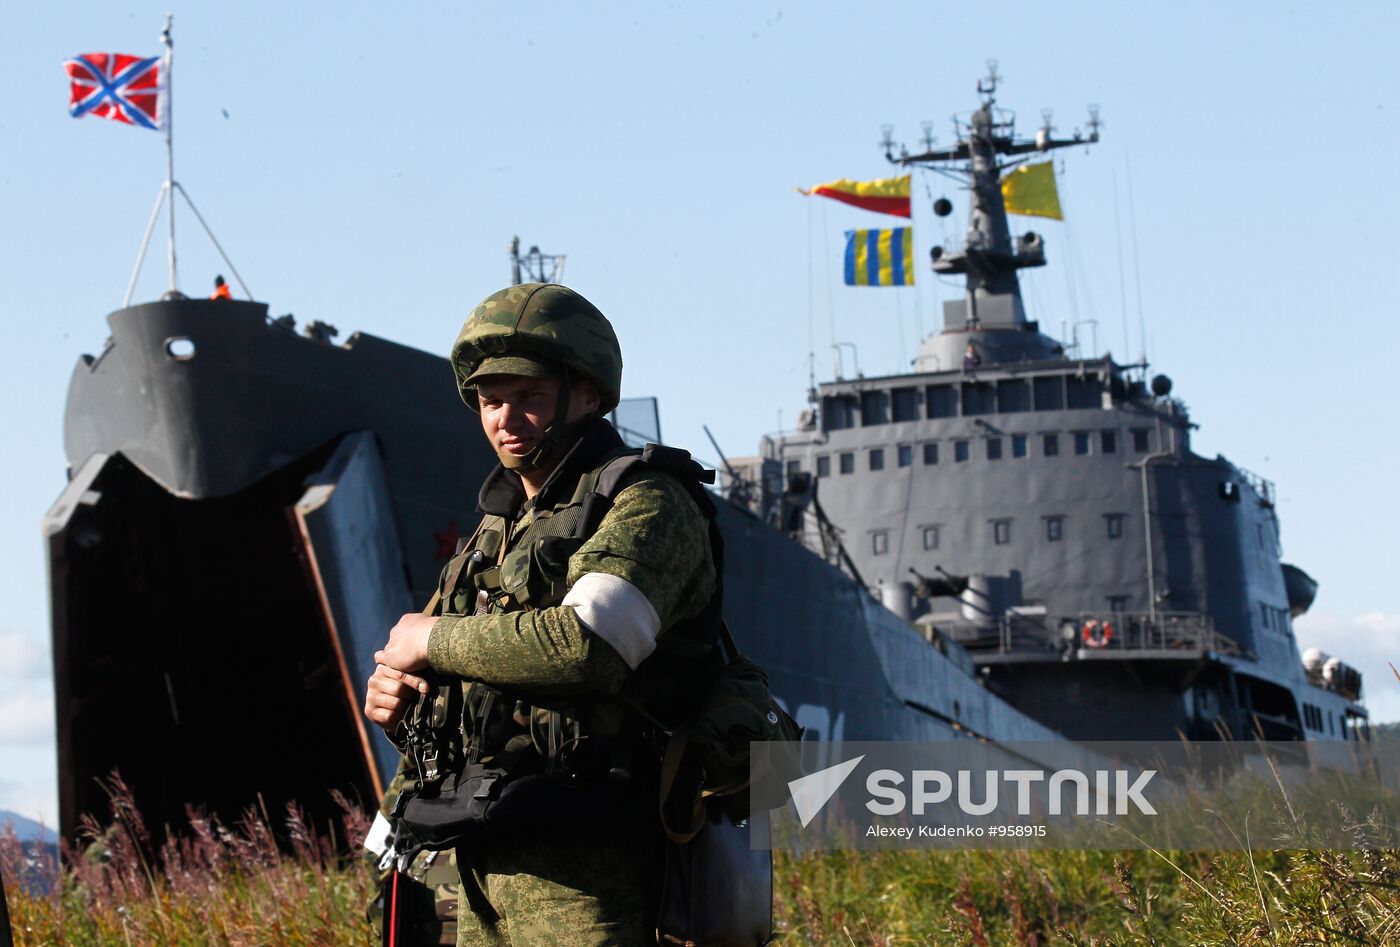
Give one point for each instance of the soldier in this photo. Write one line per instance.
(582, 627)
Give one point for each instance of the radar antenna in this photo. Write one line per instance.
(539, 267)
(1094, 123)
(927, 140)
(988, 87)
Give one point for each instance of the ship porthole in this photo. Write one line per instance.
(180, 348)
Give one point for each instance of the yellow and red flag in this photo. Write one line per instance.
(886, 196)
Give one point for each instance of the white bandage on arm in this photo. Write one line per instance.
(616, 611)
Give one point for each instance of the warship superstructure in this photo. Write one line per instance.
(1046, 511)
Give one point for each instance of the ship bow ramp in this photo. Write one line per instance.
(249, 510)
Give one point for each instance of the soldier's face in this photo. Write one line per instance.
(516, 410)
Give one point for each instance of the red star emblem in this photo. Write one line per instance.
(447, 541)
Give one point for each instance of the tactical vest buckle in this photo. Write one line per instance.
(427, 764)
(483, 788)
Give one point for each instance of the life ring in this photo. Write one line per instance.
(1097, 634)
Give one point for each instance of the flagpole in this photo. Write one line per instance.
(169, 145)
(145, 242)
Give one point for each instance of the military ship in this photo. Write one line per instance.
(250, 508)
(1044, 509)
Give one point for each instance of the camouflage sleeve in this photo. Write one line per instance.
(548, 651)
(654, 537)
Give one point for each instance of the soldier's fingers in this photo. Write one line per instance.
(411, 680)
(383, 709)
(385, 700)
(383, 717)
(389, 687)
(375, 710)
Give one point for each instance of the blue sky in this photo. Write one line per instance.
(366, 164)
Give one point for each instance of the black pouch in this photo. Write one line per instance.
(718, 890)
(486, 802)
(456, 812)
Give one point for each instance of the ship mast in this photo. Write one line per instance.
(170, 186)
(990, 258)
(539, 267)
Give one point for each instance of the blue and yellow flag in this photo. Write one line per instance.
(880, 257)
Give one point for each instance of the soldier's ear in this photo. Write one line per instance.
(586, 393)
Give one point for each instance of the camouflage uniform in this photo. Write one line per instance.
(595, 883)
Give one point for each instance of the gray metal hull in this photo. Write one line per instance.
(204, 554)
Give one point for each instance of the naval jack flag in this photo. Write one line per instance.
(117, 86)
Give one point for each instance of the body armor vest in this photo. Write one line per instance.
(506, 568)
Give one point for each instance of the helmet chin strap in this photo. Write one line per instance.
(558, 437)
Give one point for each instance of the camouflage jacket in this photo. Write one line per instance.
(653, 537)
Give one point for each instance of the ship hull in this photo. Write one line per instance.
(249, 510)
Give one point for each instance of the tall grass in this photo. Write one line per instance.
(248, 884)
(1093, 898)
(205, 884)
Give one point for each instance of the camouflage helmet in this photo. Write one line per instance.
(538, 321)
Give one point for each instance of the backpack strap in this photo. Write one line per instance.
(599, 498)
(672, 460)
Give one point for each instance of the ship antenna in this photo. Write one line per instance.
(533, 264)
(1137, 271)
(987, 87)
(1122, 279)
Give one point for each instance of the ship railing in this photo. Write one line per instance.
(1159, 632)
(1262, 485)
(1164, 634)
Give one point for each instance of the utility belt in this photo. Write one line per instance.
(484, 765)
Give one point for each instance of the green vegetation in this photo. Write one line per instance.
(210, 884)
(213, 884)
(1090, 898)
(1332, 879)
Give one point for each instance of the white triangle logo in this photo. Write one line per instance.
(813, 791)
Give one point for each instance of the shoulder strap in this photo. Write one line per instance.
(608, 478)
(612, 473)
(599, 497)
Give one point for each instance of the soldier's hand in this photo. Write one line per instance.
(407, 649)
(390, 694)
